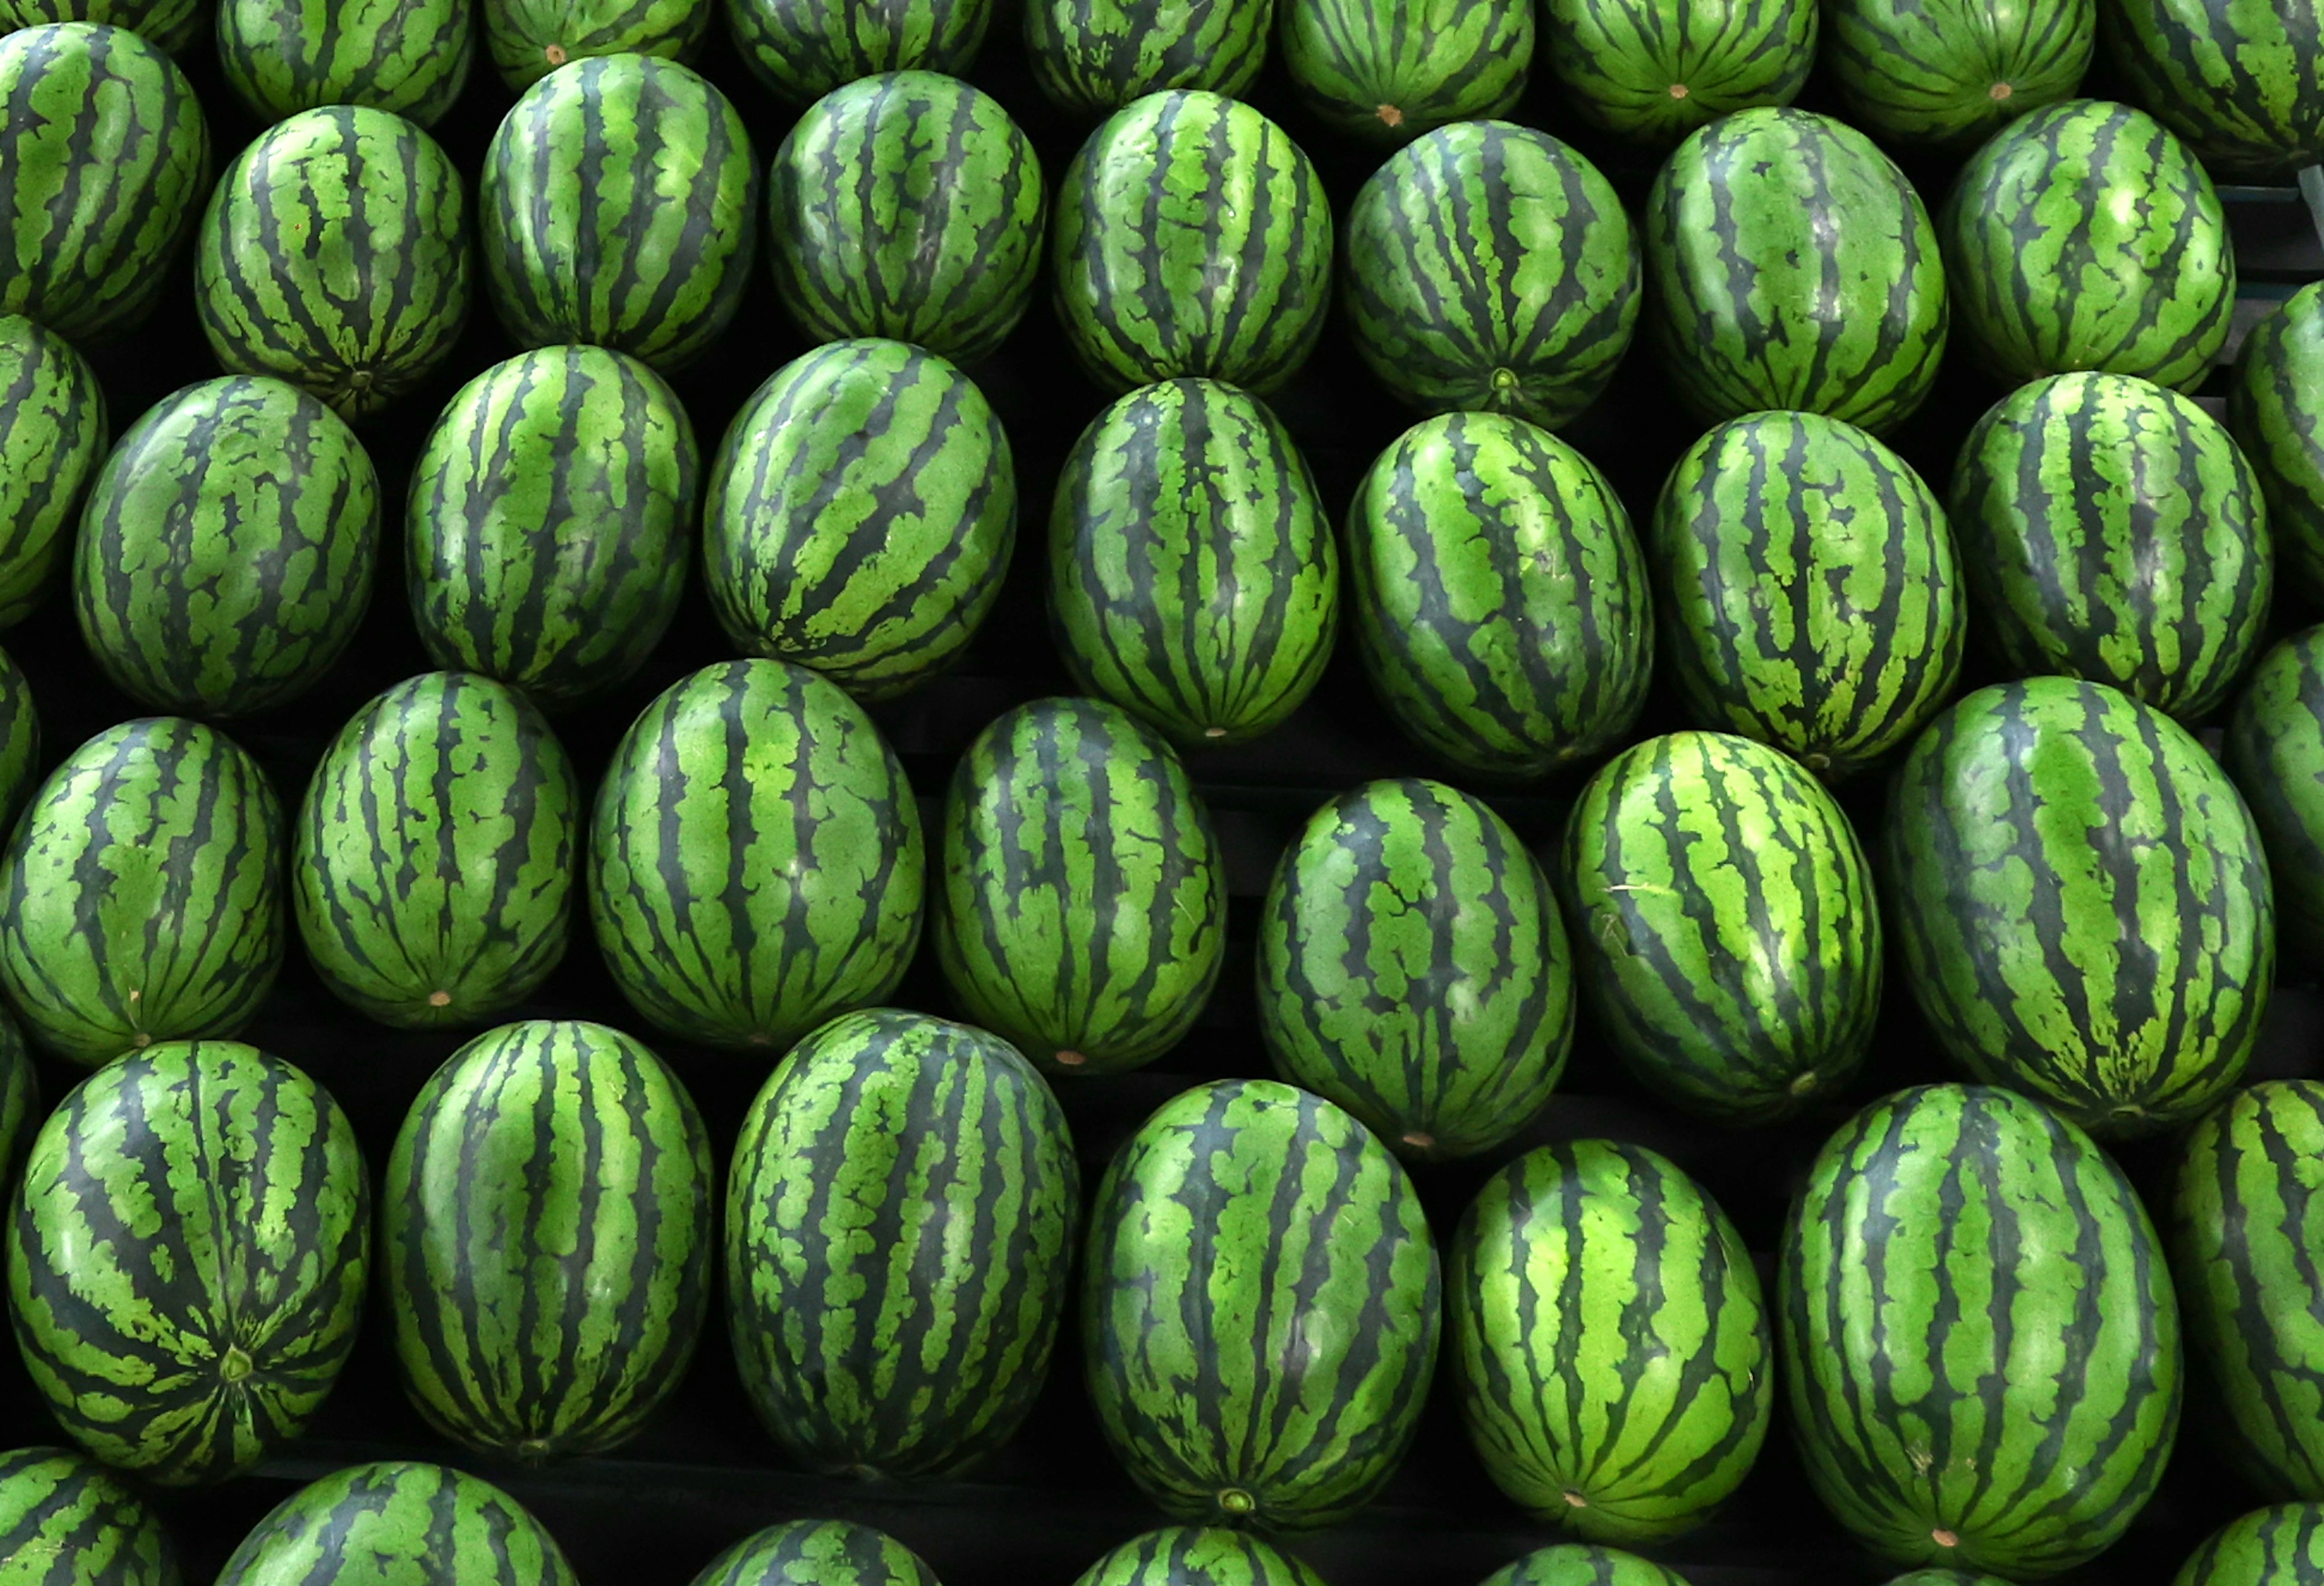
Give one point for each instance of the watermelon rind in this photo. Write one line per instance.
(1384, 71)
(805, 49)
(1651, 72)
(1093, 56)
(2275, 411)
(1945, 73)
(1581, 1563)
(529, 39)
(2274, 751)
(818, 1553)
(399, 1521)
(55, 431)
(72, 1523)
(1198, 1556)
(2243, 84)
(2282, 1546)
(409, 57)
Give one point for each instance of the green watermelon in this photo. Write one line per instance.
(174, 26)
(529, 39)
(1381, 71)
(1083, 905)
(803, 49)
(1947, 72)
(1612, 1351)
(2279, 1546)
(1191, 237)
(643, 169)
(2275, 411)
(860, 518)
(408, 56)
(20, 1100)
(1093, 56)
(2243, 83)
(2274, 753)
(899, 1234)
(104, 162)
(1650, 71)
(545, 1237)
(1490, 266)
(1412, 968)
(1578, 1564)
(1724, 925)
(398, 1523)
(818, 1553)
(187, 1259)
(53, 433)
(1978, 1334)
(550, 521)
(1946, 1578)
(907, 205)
(20, 742)
(225, 554)
(65, 1521)
(1794, 267)
(141, 895)
(1260, 1308)
(755, 861)
(1197, 1555)
(2086, 237)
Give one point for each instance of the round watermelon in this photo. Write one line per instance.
(174, 26)
(818, 1553)
(2274, 751)
(2278, 1546)
(529, 39)
(1650, 72)
(1947, 72)
(1197, 1555)
(803, 49)
(1580, 1563)
(398, 1522)
(2243, 83)
(1093, 56)
(54, 431)
(1382, 71)
(2275, 411)
(409, 57)
(76, 1525)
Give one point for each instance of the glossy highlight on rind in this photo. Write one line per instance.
(399, 1520)
(408, 56)
(1948, 72)
(1651, 71)
(1383, 72)
(72, 1523)
(55, 432)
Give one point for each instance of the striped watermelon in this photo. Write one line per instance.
(2274, 753)
(2243, 84)
(408, 56)
(2279, 1546)
(187, 1258)
(53, 433)
(20, 1100)
(1794, 267)
(879, 1334)
(1490, 266)
(1578, 1564)
(818, 1553)
(1083, 908)
(1197, 1555)
(2083, 903)
(755, 863)
(141, 895)
(1441, 1026)
(226, 555)
(1946, 1578)
(907, 206)
(64, 1521)
(1384, 70)
(860, 518)
(551, 523)
(2086, 237)
(1611, 1348)
(1810, 594)
(1724, 924)
(643, 169)
(1191, 237)
(1651, 72)
(545, 1237)
(174, 26)
(1093, 56)
(529, 39)
(803, 49)
(103, 161)
(2276, 414)
(20, 742)
(1193, 575)
(398, 1522)
(1260, 1308)
(433, 862)
(1948, 72)
(2111, 530)
(1979, 1333)
(371, 296)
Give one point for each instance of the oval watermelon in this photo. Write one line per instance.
(2243, 84)
(2278, 1546)
(398, 1521)
(174, 26)
(2274, 753)
(75, 1526)
(1093, 56)
(1197, 1555)
(1650, 71)
(818, 1553)
(1382, 71)
(529, 39)
(1578, 1564)
(1946, 72)
(805, 49)
(53, 434)
(2275, 411)
(408, 56)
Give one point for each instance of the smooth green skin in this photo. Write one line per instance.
(172, 26)
(529, 39)
(545, 1236)
(1945, 73)
(187, 1257)
(65, 1521)
(818, 1553)
(409, 57)
(398, 1524)
(805, 49)
(20, 742)
(1577, 1564)
(1650, 72)
(2241, 80)
(2086, 237)
(20, 1100)
(227, 548)
(54, 431)
(1196, 1556)
(141, 893)
(1810, 592)
(1093, 56)
(2111, 530)
(2278, 421)
(1191, 237)
(859, 516)
(907, 205)
(2273, 753)
(1384, 71)
(107, 160)
(2279, 1546)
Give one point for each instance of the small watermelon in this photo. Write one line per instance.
(1651, 71)
(818, 1553)
(398, 1523)
(1946, 72)
(2279, 1546)
(803, 49)
(2274, 753)
(1093, 56)
(1197, 1555)
(65, 1521)
(20, 742)
(2275, 411)
(529, 39)
(1578, 1564)
(1382, 71)
(2243, 84)
(53, 433)
(408, 56)
(174, 26)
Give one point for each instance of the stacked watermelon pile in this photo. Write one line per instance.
(1647, 775)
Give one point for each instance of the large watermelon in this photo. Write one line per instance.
(1191, 237)
(818, 1553)
(1382, 71)
(53, 434)
(1979, 1333)
(2275, 411)
(408, 56)
(1951, 71)
(2274, 751)
(187, 1258)
(899, 1233)
(1580, 1563)
(803, 49)
(2243, 83)
(65, 1521)
(1260, 1308)
(2279, 1546)
(1650, 71)
(529, 39)
(227, 551)
(398, 1523)
(859, 516)
(1093, 56)
(1197, 1555)
(175, 26)
(1490, 266)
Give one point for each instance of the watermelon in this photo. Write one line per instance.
(2086, 237)
(174, 26)
(755, 862)
(1651, 72)
(529, 39)
(1810, 594)
(1794, 267)
(643, 170)
(407, 57)
(818, 1553)
(225, 554)
(2083, 903)
(20, 742)
(1082, 914)
(400, 1523)
(370, 298)
(104, 162)
(1191, 237)
(2111, 530)
(899, 1233)
(1725, 926)
(803, 49)
(1979, 1335)
(1381, 71)
(545, 1237)
(1412, 968)
(1948, 72)
(1193, 576)
(860, 518)
(907, 205)
(2243, 84)
(1093, 56)
(187, 1259)
(20, 1100)
(2279, 1546)
(1490, 267)
(433, 862)
(1946, 1578)
(64, 1521)
(1260, 1308)
(1611, 1348)
(53, 434)
(2275, 411)
(141, 895)
(1197, 1555)
(2274, 753)
(1578, 1564)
